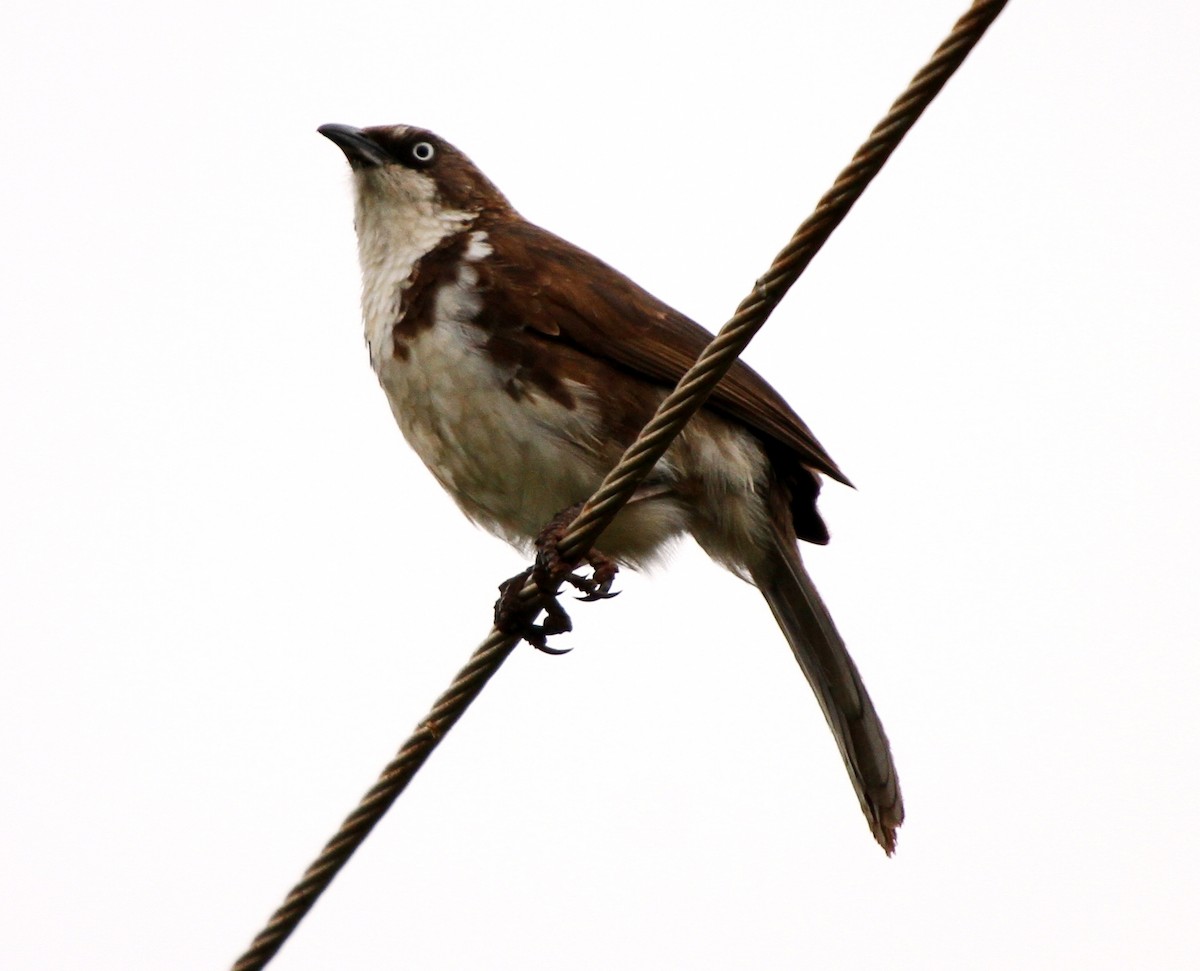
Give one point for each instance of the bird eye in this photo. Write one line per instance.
(423, 152)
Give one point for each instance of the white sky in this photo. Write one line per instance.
(228, 589)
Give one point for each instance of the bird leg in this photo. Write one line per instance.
(550, 562)
(511, 618)
(549, 570)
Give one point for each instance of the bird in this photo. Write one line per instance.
(518, 367)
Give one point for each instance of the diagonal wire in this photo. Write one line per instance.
(653, 441)
(695, 386)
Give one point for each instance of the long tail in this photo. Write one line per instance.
(822, 654)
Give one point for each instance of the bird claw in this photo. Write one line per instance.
(593, 597)
(593, 589)
(511, 618)
(548, 572)
(542, 646)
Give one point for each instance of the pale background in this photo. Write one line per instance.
(229, 590)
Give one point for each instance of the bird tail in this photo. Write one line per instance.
(835, 681)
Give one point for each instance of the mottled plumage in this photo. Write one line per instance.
(519, 367)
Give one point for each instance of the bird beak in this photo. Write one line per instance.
(361, 151)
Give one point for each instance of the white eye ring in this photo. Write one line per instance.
(423, 152)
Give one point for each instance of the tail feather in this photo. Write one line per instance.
(835, 680)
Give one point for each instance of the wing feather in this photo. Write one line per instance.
(566, 294)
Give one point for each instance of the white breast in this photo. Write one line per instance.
(398, 220)
(511, 465)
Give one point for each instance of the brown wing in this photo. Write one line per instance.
(569, 295)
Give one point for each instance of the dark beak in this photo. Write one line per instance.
(361, 151)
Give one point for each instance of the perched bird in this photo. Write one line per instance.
(519, 367)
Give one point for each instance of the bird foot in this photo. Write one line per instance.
(550, 570)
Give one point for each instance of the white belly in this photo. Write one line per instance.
(511, 465)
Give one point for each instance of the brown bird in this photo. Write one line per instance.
(519, 367)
